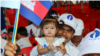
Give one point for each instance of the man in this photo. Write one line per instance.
(66, 30)
(77, 40)
(10, 32)
(91, 46)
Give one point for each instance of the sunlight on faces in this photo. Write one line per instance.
(49, 30)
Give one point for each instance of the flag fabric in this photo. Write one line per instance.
(3, 26)
(35, 11)
(11, 4)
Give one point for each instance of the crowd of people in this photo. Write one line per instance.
(57, 35)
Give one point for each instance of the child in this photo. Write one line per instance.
(10, 32)
(49, 29)
(23, 40)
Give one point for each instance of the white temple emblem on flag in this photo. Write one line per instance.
(29, 4)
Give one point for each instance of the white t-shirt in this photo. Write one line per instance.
(71, 51)
(36, 31)
(79, 46)
(2, 44)
(34, 51)
(24, 42)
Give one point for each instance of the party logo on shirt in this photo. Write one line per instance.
(1, 51)
(45, 45)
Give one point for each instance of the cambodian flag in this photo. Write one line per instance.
(35, 10)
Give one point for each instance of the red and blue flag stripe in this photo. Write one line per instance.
(37, 13)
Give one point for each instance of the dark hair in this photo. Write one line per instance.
(49, 19)
(22, 31)
(10, 30)
(54, 12)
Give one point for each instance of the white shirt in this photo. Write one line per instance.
(36, 31)
(24, 42)
(2, 44)
(79, 46)
(34, 51)
(71, 51)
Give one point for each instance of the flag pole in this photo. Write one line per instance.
(15, 27)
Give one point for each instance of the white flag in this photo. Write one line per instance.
(10, 4)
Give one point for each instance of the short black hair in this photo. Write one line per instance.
(22, 31)
(10, 29)
(54, 12)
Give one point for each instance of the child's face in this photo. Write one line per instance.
(10, 35)
(49, 30)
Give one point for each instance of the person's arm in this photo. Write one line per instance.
(42, 50)
(63, 49)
